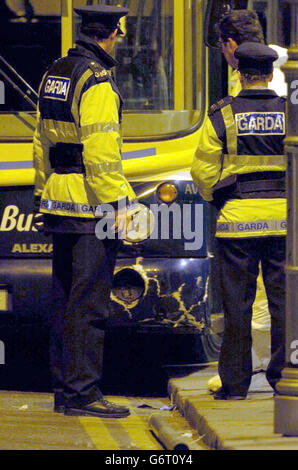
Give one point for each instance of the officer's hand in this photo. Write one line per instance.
(122, 220)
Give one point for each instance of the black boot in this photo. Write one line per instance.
(101, 408)
(59, 401)
(223, 393)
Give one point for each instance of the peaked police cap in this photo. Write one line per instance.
(255, 57)
(101, 16)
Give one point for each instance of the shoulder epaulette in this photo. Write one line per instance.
(101, 74)
(220, 104)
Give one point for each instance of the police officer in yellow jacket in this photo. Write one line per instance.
(239, 166)
(77, 155)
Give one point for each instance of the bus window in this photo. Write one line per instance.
(145, 57)
(30, 40)
(275, 17)
(161, 63)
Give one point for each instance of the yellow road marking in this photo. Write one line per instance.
(99, 431)
(131, 433)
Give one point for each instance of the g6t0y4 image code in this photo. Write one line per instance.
(152, 459)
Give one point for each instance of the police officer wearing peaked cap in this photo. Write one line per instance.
(101, 16)
(77, 158)
(239, 167)
(255, 57)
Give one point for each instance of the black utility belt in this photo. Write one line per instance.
(67, 158)
(261, 185)
(254, 182)
(262, 181)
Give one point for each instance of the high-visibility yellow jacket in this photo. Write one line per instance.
(79, 103)
(244, 136)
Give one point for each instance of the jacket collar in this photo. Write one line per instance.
(257, 92)
(86, 47)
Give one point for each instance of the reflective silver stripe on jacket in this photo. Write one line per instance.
(70, 207)
(66, 132)
(231, 130)
(59, 131)
(243, 164)
(247, 227)
(108, 167)
(96, 169)
(77, 96)
(255, 160)
(99, 127)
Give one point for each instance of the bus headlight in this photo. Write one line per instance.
(141, 225)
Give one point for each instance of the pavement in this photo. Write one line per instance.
(227, 425)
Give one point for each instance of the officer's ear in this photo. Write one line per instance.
(270, 77)
(231, 44)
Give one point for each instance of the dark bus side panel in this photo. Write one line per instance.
(160, 298)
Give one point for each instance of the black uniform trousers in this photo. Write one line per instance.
(239, 266)
(83, 268)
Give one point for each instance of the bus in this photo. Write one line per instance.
(166, 297)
